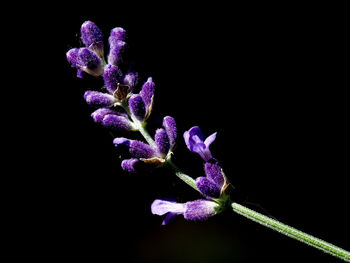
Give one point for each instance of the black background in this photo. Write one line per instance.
(269, 79)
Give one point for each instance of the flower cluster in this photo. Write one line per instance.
(120, 108)
(212, 186)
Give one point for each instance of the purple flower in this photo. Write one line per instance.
(115, 52)
(130, 79)
(117, 34)
(137, 149)
(137, 107)
(208, 187)
(169, 125)
(92, 37)
(99, 99)
(111, 76)
(195, 210)
(162, 141)
(147, 92)
(214, 173)
(130, 165)
(117, 123)
(194, 141)
(100, 113)
(85, 59)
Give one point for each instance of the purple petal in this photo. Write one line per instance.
(116, 52)
(169, 218)
(213, 171)
(99, 99)
(130, 80)
(121, 142)
(117, 34)
(137, 107)
(147, 92)
(139, 149)
(161, 207)
(112, 76)
(208, 187)
(117, 123)
(210, 139)
(130, 165)
(169, 125)
(99, 114)
(200, 210)
(202, 150)
(196, 131)
(72, 56)
(90, 33)
(162, 142)
(88, 61)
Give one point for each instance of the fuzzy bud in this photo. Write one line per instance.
(92, 37)
(162, 142)
(111, 76)
(99, 99)
(137, 107)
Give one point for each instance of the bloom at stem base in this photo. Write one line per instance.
(194, 210)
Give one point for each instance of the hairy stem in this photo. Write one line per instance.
(291, 232)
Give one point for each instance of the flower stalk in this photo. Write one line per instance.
(291, 232)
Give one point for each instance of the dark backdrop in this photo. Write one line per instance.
(268, 79)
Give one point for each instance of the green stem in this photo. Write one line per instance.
(184, 177)
(291, 232)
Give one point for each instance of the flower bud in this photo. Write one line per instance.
(117, 123)
(139, 149)
(137, 107)
(130, 79)
(122, 142)
(162, 142)
(92, 37)
(115, 53)
(111, 76)
(130, 165)
(100, 113)
(213, 171)
(99, 99)
(88, 61)
(200, 210)
(72, 56)
(117, 34)
(147, 92)
(207, 187)
(169, 125)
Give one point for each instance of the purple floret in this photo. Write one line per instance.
(116, 52)
(99, 99)
(130, 165)
(117, 34)
(90, 33)
(213, 171)
(139, 149)
(116, 123)
(208, 187)
(200, 210)
(137, 107)
(147, 92)
(162, 141)
(111, 76)
(169, 125)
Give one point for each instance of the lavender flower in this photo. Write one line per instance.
(131, 165)
(116, 52)
(100, 113)
(112, 76)
(169, 125)
(99, 99)
(130, 79)
(208, 187)
(117, 34)
(117, 123)
(92, 37)
(85, 59)
(195, 210)
(162, 142)
(137, 107)
(136, 148)
(194, 141)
